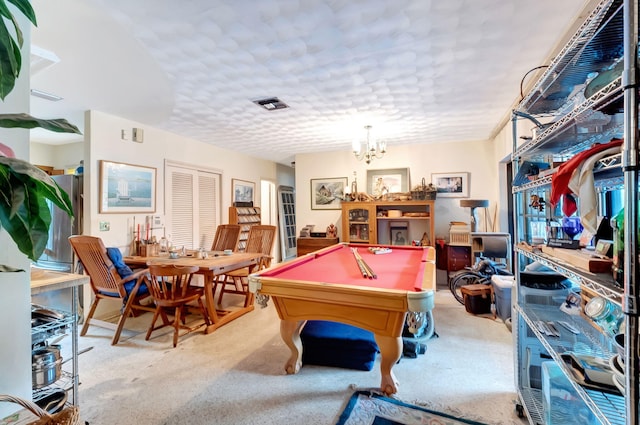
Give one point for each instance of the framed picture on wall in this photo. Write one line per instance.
(391, 180)
(242, 190)
(127, 188)
(451, 185)
(327, 193)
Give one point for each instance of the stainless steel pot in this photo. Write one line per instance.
(46, 366)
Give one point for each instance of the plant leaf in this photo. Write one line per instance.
(24, 6)
(45, 186)
(27, 223)
(23, 120)
(5, 12)
(11, 61)
(24, 212)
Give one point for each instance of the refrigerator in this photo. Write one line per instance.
(58, 254)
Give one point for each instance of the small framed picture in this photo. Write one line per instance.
(242, 190)
(399, 233)
(451, 185)
(327, 193)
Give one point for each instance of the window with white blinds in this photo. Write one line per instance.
(192, 206)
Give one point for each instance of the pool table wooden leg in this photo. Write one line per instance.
(390, 351)
(290, 334)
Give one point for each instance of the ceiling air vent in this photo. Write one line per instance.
(271, 103)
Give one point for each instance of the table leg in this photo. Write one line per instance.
(209, 302)
(390, 351)
(290, 334)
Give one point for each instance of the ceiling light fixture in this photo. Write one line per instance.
(45, 95)
(373, 149)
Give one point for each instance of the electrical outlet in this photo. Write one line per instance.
(104, 226)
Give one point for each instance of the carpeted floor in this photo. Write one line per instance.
(235, 375)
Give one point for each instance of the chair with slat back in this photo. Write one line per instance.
(171, 289)
(107, 283)
(227, 236)
(260, 240)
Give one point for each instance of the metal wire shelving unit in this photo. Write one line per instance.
(606, 40)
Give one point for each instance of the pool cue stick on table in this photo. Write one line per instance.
(364, 267)
(360, 265)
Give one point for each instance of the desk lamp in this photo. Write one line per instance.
(473, 204)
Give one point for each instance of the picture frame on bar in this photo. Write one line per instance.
(390, 180)
(399, 233)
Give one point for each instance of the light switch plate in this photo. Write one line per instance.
(105, 226)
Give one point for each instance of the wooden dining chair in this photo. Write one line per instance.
(227, 236)
(172, 292)
(260, 240)
(107, 283)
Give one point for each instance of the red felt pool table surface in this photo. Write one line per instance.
(401, 269)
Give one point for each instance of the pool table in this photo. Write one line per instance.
(328, 285)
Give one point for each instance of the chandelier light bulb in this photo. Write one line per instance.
(373, 149)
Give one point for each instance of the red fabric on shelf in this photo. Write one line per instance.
(560, 179)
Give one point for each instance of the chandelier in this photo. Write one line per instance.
(373, 148)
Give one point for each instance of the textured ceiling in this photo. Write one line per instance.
(418, 71)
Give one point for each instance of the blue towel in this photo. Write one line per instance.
(123, 270)
(116, 258)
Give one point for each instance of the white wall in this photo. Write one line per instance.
(104, 142)
(58, 156)
(477, 158)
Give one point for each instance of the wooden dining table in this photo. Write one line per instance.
(216, 264)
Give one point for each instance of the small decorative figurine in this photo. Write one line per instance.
(537, 202)
(332, 231)
(425, 240)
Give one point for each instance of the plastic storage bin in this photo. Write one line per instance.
(560, 402)
(543, 296)
(502, 292)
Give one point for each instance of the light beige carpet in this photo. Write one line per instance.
(235, 375)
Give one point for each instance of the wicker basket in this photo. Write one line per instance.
(67, 416)
(424, 192)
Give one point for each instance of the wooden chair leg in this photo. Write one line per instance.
(124, 315)
(153, 323)
(203, 310)
(92, 310)
(176, 325)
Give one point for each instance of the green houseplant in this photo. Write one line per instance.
(24, 188)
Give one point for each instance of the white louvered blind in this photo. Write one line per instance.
(208, 208)
(194, 206)
(182, 209)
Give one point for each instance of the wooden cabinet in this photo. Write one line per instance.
(373, 222)
(245, 217)
(457, 257)
(359, 222)
(307, 245)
